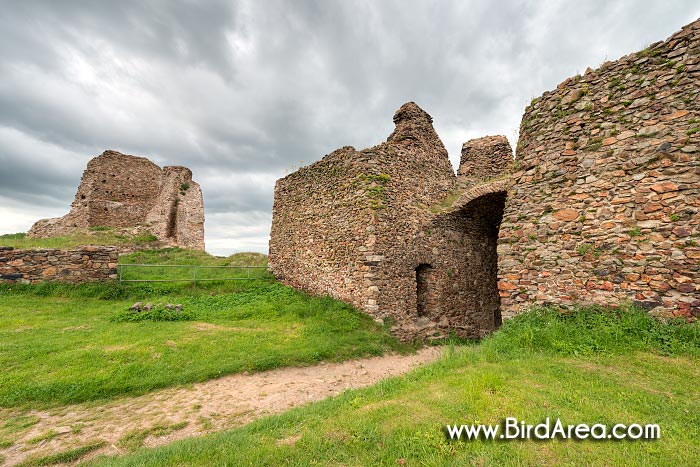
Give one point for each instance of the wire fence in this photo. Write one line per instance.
(188, 273)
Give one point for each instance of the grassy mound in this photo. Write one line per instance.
(192, 257)
(178, 264)
(592, 330)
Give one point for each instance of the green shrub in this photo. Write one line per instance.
(155, 314)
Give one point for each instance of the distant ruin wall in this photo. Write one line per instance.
(119, 190)
(605, 205)
(87, 264)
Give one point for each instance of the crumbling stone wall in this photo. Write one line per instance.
(380, 228)
(86, 264)
(484, 159)
(605, 204)
(119, 190)
(322, 231)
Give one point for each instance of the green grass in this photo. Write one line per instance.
(587, 366)
(19, 424)
(91, 236)
(63, 343)
(63, 457)
(178, 264)
(181, 256)
(592, 330)
(135, 439)
(49, 435)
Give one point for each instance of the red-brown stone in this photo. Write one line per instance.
(566, 214)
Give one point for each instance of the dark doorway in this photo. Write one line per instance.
(423, 288)
(482, 219)
(172, 220)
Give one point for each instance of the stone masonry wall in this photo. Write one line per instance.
(367, 227)
(600, 205)
(86, 264)
(417, 174)
(119, 190)
(321, 233)
(605, 206)
(485, 158)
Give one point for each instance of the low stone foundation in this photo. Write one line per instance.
(85, 264)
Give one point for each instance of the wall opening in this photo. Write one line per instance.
(482, 221)
(423, 288)
(172, 221)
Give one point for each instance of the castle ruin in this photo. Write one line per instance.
(600, 205)
(123, 191)
(373, 228)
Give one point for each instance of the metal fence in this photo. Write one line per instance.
(187, 273)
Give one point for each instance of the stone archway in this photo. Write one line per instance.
(482, 220)
(470, 298)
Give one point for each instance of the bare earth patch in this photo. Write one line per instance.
(166, 415)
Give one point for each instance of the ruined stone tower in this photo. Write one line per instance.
(392, 230)
(118, 190)
(605, 204)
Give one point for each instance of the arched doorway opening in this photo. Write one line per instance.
(481, 220)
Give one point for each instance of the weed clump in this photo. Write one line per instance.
(154, 314)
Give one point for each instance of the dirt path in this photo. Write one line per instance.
(169, 414)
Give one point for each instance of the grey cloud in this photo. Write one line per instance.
(241, 91)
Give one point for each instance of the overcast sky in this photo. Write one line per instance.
(241, 92)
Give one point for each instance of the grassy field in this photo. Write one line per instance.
(582, 367)
(179, 264)
(182, 256)
(91, 236)
(62, 344)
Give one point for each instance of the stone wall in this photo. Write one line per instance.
(119, 190)
(484, 158)
(378, 228)
(601, 205)
(321, 225)
(86, 264)
(605, 206)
